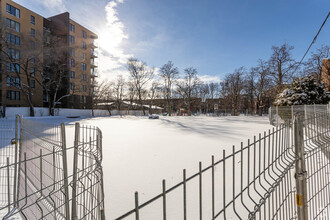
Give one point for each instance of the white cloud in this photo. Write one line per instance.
(54, 6)
(209, 79)
(112, 57)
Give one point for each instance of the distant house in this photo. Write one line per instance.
(326, 72)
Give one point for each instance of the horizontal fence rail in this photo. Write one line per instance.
(256, 180)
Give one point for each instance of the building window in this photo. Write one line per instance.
(12, 53)
(84, 34)
(72, 52)
(33, 83)
(83, 77)
(33, 20)
(33, 60)
(84, 88)
(33, 32)
(13, 11)
(83, 45)
(83, 66)
(72, 86)
(13, 81)
(72, 74)
(12, 24)
(72, 63)
(72, 28)
(32, 45)
(13, 95)
(32, 71)
(13, 39)
(13, 67)
(71, 39)
(84, 56)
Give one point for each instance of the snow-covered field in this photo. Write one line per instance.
(139, 152)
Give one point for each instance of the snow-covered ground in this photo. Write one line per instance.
(139, 152)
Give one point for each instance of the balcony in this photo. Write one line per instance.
(94, 45)
(94, 73)
(94, 63)
(94, 54)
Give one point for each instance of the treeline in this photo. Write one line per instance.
(253, 90)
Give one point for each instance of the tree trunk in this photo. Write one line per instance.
(31, 110)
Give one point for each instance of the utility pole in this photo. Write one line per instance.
(300, 167)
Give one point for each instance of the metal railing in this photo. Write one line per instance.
(256, 180)
(42, 184)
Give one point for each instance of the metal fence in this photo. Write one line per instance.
(42, 184)
(280, 174)
(280, 114)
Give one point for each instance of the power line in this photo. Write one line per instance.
(314, 40)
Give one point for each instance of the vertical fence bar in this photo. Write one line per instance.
(75, 170)
(65, 171)
(137, 216)
(224, 184)
(16, 155)
(200, 192)
(164, 200)
(213, 212)
(301, 174)
(8, 184)
(184, 195)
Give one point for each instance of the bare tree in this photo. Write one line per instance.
(203, 92)
(118, 90)
(188, 85)
(263, 84)
(131, 93)
(169, 73)
(54, 76)
(102, 93)
(313, 66)
(214, 89)
(153, 93)
(233, 86)
(140, 74)
(22, 63)
(250, 89)
(282, 64)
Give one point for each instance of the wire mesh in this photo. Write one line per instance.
(255, 180)
(41, 193)
(87, 184)
(8, 148)
(42, 172)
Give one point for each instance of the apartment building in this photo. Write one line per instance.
(326, 72)
(23, 58)
(21, 55)
(81, 59)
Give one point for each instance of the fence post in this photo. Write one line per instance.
(75, 170)
(300, 169)
(65, 171)
(277, 116)
(16, 155)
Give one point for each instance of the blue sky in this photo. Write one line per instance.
(214, 36)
